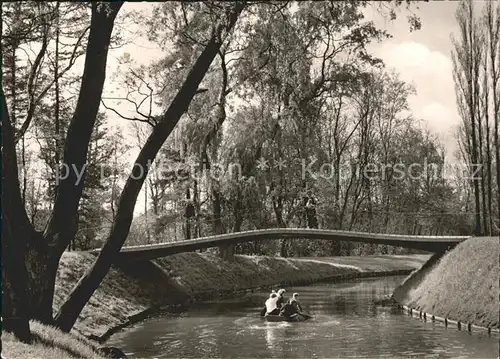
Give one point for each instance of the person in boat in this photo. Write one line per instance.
(294, 301)
(281, 298)
(271, 304)
(292, 307)
(264, 310)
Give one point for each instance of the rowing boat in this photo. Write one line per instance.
(297, 317)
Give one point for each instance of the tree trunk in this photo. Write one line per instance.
(57, 104)
(146, 218)
(473, 65)
(481, 173)
(467, 59)
(226, 251)
(475, 181)
(43, 258)
(15, 227)
(238, 215)
(69, 191)
(187, 233)
(486, 110)
(25, 171)
(217, 225)
(42, 266)
(496, 117)
(197, 206)
(187, 213)
(497, 156)
(84, 289)
(492, 22)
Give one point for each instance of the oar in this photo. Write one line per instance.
(263, 312)
(307, 315)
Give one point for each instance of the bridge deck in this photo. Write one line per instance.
(157, 250)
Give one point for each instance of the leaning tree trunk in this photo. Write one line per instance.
(86, 286)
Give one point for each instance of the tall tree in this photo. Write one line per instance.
(84, 289)
(467, 58)
(492, 23)
(44, 251)
(486, 184)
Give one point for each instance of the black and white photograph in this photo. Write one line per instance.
(250, 179)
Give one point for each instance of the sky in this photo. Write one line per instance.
(422, 58)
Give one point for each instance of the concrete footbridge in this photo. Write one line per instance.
(158, 250)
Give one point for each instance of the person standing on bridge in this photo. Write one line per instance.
(189, 213)
(312, 220)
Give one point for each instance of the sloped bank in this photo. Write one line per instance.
(461, 285)
(132, 292)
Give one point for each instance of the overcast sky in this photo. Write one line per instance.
(423, 58)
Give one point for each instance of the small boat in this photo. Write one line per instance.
(297, 317)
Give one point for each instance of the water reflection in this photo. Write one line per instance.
(346, 325)
(271, 338)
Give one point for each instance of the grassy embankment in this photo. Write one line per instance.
(130, 293)
(49, 343)
(462, 285)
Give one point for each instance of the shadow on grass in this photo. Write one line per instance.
(37, 338)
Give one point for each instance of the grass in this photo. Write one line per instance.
(119, 297)
(199, 274)
(462, 285)
(48, 343)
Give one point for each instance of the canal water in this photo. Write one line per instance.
(346, 324)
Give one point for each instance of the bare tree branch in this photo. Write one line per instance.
(35, 101)
(150, 121)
